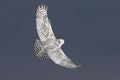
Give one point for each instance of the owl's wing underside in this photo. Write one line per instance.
(43, 24)
(61, 59)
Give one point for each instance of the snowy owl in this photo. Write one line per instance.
(47, 46)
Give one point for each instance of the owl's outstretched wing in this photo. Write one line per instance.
(46, 34)
(61, 59)
(43, 24)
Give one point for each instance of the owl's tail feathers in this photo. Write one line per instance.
(39, 52)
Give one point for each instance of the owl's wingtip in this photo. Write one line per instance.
(42, 6)
(75, 66)
(78, 66)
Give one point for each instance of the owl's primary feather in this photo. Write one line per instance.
(48, 44)
(43, 25)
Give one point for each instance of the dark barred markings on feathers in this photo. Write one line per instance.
(39, 51)
(48, 45)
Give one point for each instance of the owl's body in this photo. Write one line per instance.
(47, 46)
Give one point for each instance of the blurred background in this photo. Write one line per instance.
(91, 29)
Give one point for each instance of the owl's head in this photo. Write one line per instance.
(60, 42)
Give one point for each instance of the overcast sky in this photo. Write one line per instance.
(91, 29)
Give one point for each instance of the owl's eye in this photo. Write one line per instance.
(59, 41)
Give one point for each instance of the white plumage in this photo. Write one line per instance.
(47, 46)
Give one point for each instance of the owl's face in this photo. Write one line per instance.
(60, 42)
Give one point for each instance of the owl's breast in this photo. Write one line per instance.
(50, 45)
(56, 57)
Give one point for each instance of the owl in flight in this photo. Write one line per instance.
(47, 46)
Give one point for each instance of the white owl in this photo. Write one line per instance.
(47, 46)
